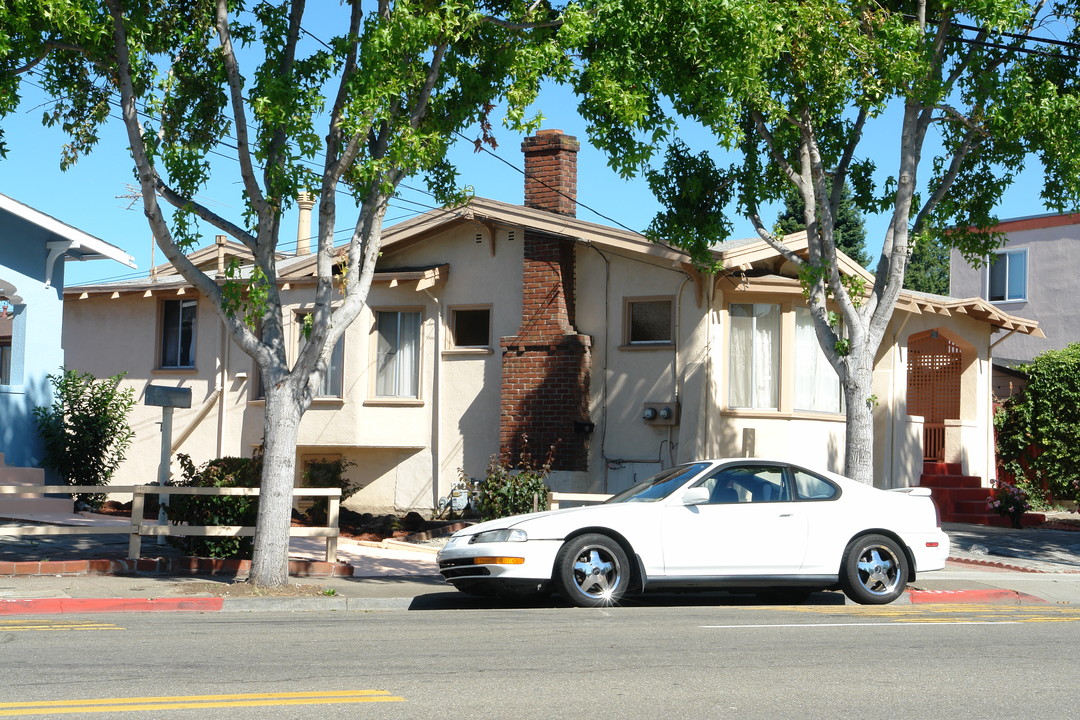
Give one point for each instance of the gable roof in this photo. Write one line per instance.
(71, 241)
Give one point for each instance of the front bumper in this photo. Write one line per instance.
(529, 560)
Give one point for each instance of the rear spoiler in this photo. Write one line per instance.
(917, 491)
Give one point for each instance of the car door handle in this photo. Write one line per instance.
(787, 514)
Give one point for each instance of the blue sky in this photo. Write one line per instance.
(88, 196)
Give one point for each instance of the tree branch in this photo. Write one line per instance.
(236, 99)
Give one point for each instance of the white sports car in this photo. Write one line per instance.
(745, 524)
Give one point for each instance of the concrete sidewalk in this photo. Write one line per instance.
(987, 565)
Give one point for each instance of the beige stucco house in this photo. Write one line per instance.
(1030, 275)
(494, 321)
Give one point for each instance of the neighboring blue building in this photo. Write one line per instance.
(33, 248)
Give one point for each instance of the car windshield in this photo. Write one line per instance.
(661, 485)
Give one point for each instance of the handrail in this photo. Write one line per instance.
(140, 528)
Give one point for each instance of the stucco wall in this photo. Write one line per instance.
(1053, 256)
(36, 326)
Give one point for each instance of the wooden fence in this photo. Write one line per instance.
(140, 528)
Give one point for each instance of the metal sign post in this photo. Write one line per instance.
(166, 398)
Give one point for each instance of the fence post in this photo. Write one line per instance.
(333, 506)
(135, 540)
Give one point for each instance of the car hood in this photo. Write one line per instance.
(555, 524)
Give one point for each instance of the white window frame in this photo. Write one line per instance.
(1006, 256)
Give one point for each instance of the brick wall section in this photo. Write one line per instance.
(546, 366)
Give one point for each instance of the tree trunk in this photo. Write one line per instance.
(859, 448)
(270, 562)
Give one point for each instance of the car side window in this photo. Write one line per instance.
(748, 483)
(812, 487)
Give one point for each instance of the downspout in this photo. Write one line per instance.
(223, 355)
(675, 376)
(223, 375)
(604, 367)
(436, 405)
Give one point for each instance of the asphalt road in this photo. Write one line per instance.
(656, 661)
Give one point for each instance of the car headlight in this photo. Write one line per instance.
(504, 535)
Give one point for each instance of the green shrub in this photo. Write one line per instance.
(85, 431)
(216, 510)
(327, 474)
(1038, 431)
(513, 488)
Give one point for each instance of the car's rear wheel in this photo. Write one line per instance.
(592, 570)
(874, 570)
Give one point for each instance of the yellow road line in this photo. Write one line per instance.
(63, 707)
(39, 625)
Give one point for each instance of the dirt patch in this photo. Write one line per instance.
(243, 589)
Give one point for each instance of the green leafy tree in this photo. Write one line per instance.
(1038, 430)
(348, 116)
(928, 268)
(804, 94)
(850, 225)
(85, 431)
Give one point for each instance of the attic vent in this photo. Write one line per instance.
(510, 235)
(479, 237)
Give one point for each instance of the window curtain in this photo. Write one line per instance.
(754, 353)
(398, 354)
(817, 386)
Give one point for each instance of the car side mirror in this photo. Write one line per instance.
(696, 496)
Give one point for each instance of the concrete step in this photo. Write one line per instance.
(942, 468)
(950, 481)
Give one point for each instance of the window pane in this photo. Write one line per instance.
(7, 331)
(5, 362)
(998, 273)
(332, 379)
(472, 328)
(178, 333)
(1017, 276)
(650, 321)
(817, 386)
(755, 355)
(811, 487)
(386, 361)
(398, 354)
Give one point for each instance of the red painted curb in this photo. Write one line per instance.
(53, 606)
(991, 596)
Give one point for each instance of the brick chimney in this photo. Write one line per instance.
(546, 367)
(551, 171)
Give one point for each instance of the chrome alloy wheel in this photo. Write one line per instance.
(880, 571)
(597, 572)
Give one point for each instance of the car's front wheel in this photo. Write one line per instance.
(592, 570)
(874, 570)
